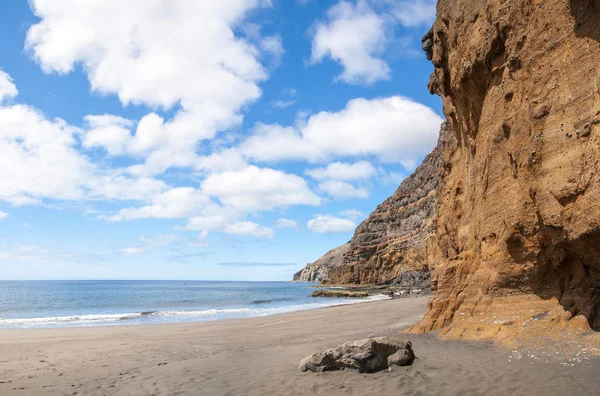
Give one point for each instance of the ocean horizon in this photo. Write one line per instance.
(79, 303)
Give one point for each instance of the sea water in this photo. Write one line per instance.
(26, 304)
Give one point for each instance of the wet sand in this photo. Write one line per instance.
(259, 356)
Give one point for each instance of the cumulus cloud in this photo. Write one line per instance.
(327, 224)
(362, 56)
(178, 202)
(160, 54)
(3, 215)
(8, 90)
(40, 160)
(249, 228)
(344, 171)
(109, 132)
(394, 129)
(224, 199)
(255, 189)
(358, 53)
(285, 223)
(342, 190)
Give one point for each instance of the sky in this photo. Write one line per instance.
(205, 140)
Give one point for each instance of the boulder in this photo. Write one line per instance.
(363, 356)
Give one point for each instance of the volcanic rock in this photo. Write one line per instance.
(339, 293)
(397, 236)
(319, 270)
(362, 356)
(518, 220)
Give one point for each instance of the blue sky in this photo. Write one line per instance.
(230, 140)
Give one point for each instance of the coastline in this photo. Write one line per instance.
(260, 356)
(175, 317)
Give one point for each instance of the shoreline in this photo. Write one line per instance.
(224, 321)
(120, 319)
(260, 356)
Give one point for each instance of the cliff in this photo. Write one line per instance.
(319, 270)
(395, 241)
(518, 224)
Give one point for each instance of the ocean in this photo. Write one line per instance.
(29, 304)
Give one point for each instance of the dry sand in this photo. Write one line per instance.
(259, 356)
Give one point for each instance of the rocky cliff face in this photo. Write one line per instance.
(319, 270)
(397, 237)
(518, 222)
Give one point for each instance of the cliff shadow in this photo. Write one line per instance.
(586, 14)
(565, 269)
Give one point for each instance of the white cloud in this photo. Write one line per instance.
(3, 215)
(238, 193)
(249, 228)
(203, 235)
(352, 214)
(282, 104)
(344, 171)
(328, 223)
(130, 251)
(40, 160)
(342, 190)
(274, 142)
(108, 131)
(394, 129)
(161, 54)
(8, 90)
(285, 223)
(256, 189)
(362, 55)
(178, 202)
(37, 158)
(149, 243)
(356, 37)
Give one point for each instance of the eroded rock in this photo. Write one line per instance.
(363, 356)
(339, 293)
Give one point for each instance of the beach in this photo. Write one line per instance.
(260, 356)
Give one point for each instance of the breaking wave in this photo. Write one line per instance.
(176, 315)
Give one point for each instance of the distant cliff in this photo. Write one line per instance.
(396, 237)
(319, 270)
(393, 245)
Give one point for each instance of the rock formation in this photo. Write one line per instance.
(396, 237)
(363, 356)
(518, 224)
(393, 245)
(339, 293)
(319, 270)
(505, 211)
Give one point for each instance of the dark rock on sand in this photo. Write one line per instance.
(339, 293)
(362, 356)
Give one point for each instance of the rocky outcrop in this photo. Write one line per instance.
(319, 270)
(397, 236)
(363, 356)
(339, 293)
(518, 222)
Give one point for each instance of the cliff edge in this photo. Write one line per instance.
(394, 244)
(319, 270)
(518, 217)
